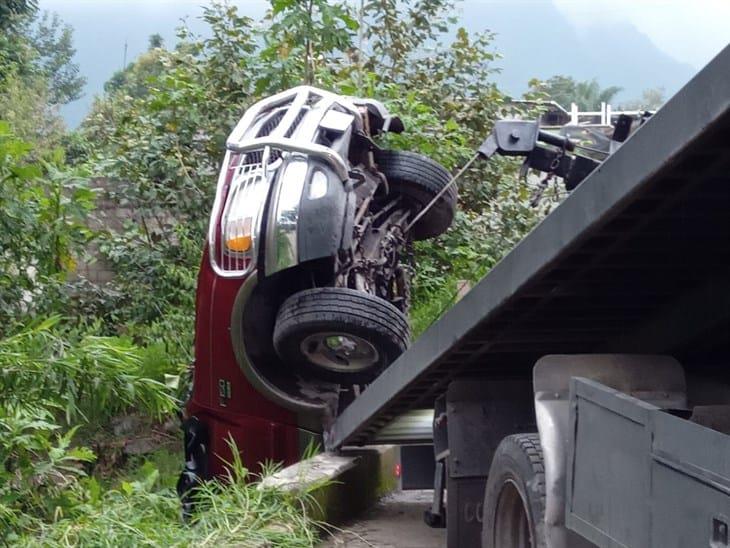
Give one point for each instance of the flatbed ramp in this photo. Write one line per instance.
(637, 258)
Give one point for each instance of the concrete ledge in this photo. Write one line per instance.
(344, 484)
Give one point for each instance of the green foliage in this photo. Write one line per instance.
(37, 74)
(143, 511)
(59, 375)
(50, 379)
(40, 48)
(85, 378)
(400, 29)
(156, 41)
(158, 284)
(52, 41)
(588, 95)
(164, 146)
(140, 512)
(52, 376)
(43, 225)
(39, 469)
(134, 79)
(302, 38)
(26, 107)
(13, 10)
(651, 99)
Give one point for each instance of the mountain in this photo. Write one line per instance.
(534, 38)
(538, 41)
(102, 28)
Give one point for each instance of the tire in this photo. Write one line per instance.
(340, 335)
(514, 498)
(418, 179)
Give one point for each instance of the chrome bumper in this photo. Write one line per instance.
(299, 98)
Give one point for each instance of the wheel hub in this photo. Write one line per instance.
(341, 352)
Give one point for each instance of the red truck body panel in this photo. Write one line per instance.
(223, 399)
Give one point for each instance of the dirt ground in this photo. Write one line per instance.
(395, 522)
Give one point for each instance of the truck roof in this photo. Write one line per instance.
(636, 259)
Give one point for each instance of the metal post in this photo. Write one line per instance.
(573, 114)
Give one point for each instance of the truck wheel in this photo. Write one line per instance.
(418, 179)
(514, 499)
(339, 334)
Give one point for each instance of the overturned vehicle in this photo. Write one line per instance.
(303, 291)
(309, 204)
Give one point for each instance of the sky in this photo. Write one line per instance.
(537, 37)
(665, 22)
(690, 31)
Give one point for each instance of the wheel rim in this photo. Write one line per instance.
(512, 526)
(342, 352)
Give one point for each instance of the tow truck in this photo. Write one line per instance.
(580, 391)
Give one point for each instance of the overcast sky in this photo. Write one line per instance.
(537, 37)
(691, 31)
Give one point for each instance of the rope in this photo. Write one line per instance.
(441, 193)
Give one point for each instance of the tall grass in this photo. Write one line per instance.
(51, 384)
(235, 512)
(89, 379)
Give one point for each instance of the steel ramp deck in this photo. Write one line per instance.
(637, 258)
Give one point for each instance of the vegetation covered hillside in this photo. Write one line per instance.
(80, 362)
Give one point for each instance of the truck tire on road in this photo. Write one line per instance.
(514, 499)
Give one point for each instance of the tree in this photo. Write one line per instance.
(302, 37)
(52, 42)
(134, 80)
(399, 28)
(25, 105)
(11, 11)
(651, 99)
(42, 47)
(37, 74)
(588, 94)
(156, 41)
(15, 53)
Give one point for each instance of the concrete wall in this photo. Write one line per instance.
(108, 215)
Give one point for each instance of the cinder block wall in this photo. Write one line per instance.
(108, 215)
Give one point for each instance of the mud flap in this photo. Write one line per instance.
(479, 414)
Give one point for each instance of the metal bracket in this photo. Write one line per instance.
(510, 138)
(436, 515)
(520, 138)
